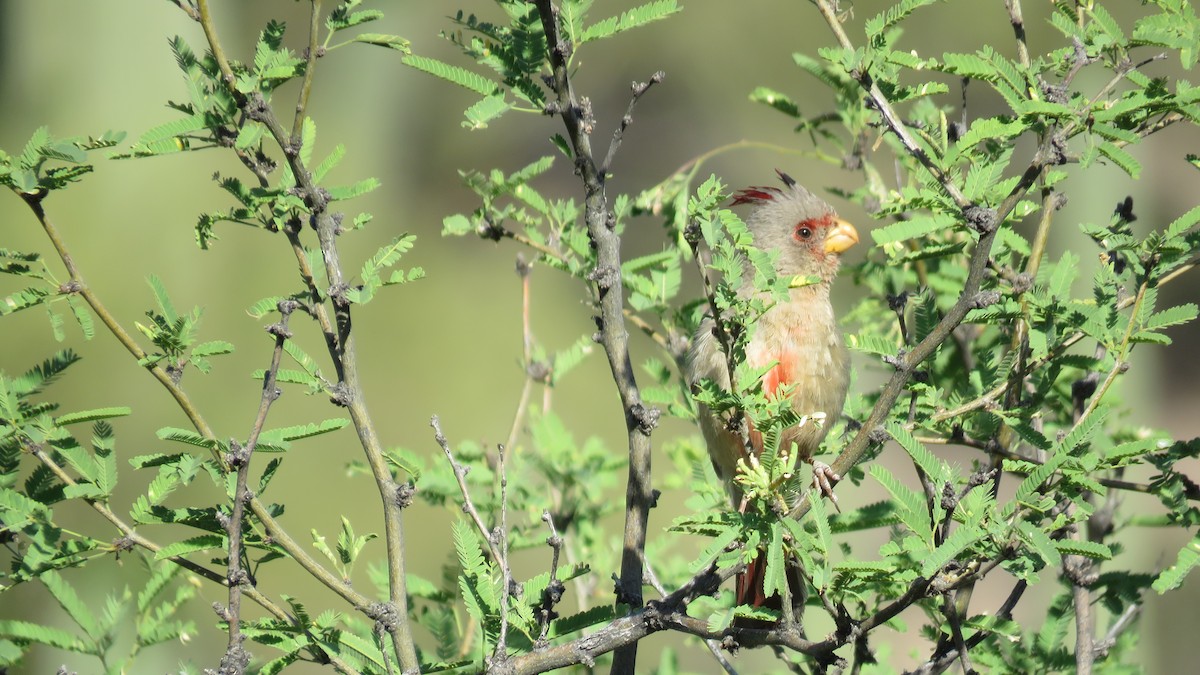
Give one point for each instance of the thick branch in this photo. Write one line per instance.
(612, 334)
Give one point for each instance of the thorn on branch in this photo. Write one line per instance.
(279, 330)
(384, 614)
(1054, 93)
(981, 219)
(646, 418)
(587, 119)
(255, 107)
(692, 234)
(539, 371)
(985, 299)
(337, 293)
(237, 455)
(405, 493)
(287, 306)
(1054, 152)
(340, 395)
(605, 277)
(878, 436)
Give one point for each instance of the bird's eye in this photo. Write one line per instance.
(803, 233)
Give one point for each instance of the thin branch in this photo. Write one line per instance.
(889, 113)
(214, 45)
(313, 52)
(188, 8)
(468, 507)
(277, 533)
(714, 647)
(553, 593)
(350, 391)
(236, 658)
(988, 398)
(984, 221)
(506, 577)
(639, 88)
(639, 419)
(1018, 26)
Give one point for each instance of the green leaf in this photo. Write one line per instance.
(92, 415)
(963, 537)
(1173, 316)
(1183, 223)
(25, 631)
(911, 229)
(1040, 542)
(453, 74)
(910, 506)
(486, 110)
(1172, 577)
(1121, 158)
(776, 100)
(1082, 432)
(774, 575)
(69, 600)
(456, 225)
(630, 19)
(298, 432)
(344, 192)
(203, 542)
(880, 23)
(383, 40)
(212, 348)
(933, 467)
(1090, 549)
(184, 436)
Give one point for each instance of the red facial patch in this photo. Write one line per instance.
(805, 230)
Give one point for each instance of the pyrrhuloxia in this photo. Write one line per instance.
(800, 335)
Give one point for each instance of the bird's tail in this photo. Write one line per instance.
(749, 589)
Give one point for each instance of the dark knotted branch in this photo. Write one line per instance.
(345, 359)
(670, 613)
(639, 419)
(554, 588)
(236, 658)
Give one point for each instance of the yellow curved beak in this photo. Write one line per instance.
(841, 237)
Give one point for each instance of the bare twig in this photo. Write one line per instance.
(236, 658)
(714, 647)
(506, 577)
(310, 67)
(468, 507)
(554, 588)
(639, 88)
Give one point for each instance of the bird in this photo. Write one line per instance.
(799, 335)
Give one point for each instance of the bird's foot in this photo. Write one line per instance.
(824, 478)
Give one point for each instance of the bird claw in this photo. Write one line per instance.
(824, 479)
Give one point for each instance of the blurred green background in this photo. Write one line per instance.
(451, 344)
